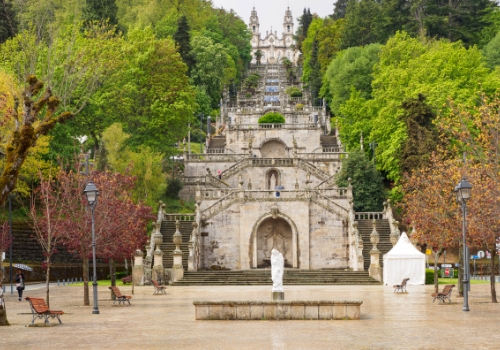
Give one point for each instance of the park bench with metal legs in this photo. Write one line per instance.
(158, 289)
(401, 287)
(127, 279)
(445, 294)
(119, 296)
(39, 309)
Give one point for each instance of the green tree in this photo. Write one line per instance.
(272, 118)
(182, 39)
(101, 10)
(491, 52)
(422, 135)
(350, 69)
(363, 25)
(8, 20)
(304, 22)
(367, 185)
(339, 9)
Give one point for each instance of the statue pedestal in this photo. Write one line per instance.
(278, 295)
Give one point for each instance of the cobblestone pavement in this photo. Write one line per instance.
(388, 321)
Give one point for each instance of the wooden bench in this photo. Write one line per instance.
(158, 289)
(401, 287)
(119, 296)
(39, 309)
(445, 294)
(127, 279)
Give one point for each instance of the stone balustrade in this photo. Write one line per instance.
(180, 217)
(292, 126)
(369, 216)
(278, 310)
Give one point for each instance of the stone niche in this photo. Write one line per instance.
(274, 234)
(273, 149)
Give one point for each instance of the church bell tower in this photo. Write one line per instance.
(288, 28)
(254, 28)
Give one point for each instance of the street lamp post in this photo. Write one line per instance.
(92, 193)
(11, 242)
(463, 190)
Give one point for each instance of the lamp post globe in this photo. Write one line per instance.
(92, 193)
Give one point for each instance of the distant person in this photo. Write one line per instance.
(20, 283)
(220, 175)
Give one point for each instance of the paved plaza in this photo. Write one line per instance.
(388, 321)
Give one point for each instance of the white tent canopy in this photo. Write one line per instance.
(404, 261)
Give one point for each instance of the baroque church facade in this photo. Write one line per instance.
(259, 187)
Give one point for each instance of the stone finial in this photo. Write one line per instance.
(249, 184)
(394, 237)
(374, 270)
(296, 184)
(177, 237)
(361, 141)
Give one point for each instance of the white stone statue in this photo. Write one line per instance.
(277, 270)
(273, 182)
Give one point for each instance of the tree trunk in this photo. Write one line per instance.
(492, 277)
(3, 310)
(86, 300)
(47, 282)
(436, 277)
(112, 275)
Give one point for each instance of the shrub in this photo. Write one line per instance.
(173, 188)
(429, 276)
(272, 118)
(248, 95)
(119, 275)
(293, 91)
(299, 106)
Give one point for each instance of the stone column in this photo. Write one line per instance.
(177, 269)
(394, 233)
(359, 248)
(138, 270)
(158, 254)
(374, 270)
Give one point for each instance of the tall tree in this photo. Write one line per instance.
(364, 24)
(8, 20)
(367, 186)
(102, 11)
(422, 135)
(315, 76)
(339, 10)
(182, 38)
(304, 22)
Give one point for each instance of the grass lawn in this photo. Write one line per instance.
(102, 283)
(455, 281)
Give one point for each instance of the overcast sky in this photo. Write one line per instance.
(272, 12)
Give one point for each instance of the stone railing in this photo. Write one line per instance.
(236, 168)
(369, 216)
(207, 180)
(321, 156)
(309, 168)
(265, 162)
(221, 205)
(214, 157)
(291, 126)
(328, 204)
(180, 217)
(216, 150)
(337, 193)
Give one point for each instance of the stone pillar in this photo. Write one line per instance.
(177, 269)
(394, 233)
(149, 258)
(374, 270)
(138, 270)
(359, 248)
(158, 254)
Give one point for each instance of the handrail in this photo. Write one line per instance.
(369, 215)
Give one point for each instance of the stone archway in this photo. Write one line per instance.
(274, 234)
(273, 149)
(273, 230)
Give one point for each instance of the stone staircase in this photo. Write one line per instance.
(263, 277)
(328, 141)
(365, 228)
(167, 229)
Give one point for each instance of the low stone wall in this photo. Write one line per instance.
(278, 310)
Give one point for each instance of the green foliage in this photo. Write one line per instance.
(364, 24)
(174, 186)
(367, 186)
(422, 135)
(294, 91)
(101, 10)
(251, 82)
(8, 20)
(429, 276)
(304, 22)
(351, 69)
(309, 47)
(491, 52)
(272, 118)
(182, 39)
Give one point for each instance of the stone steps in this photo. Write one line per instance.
(365, 228)
(263, 277)
(167, 229)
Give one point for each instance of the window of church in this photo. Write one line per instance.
(254, 29)
(287, 27)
